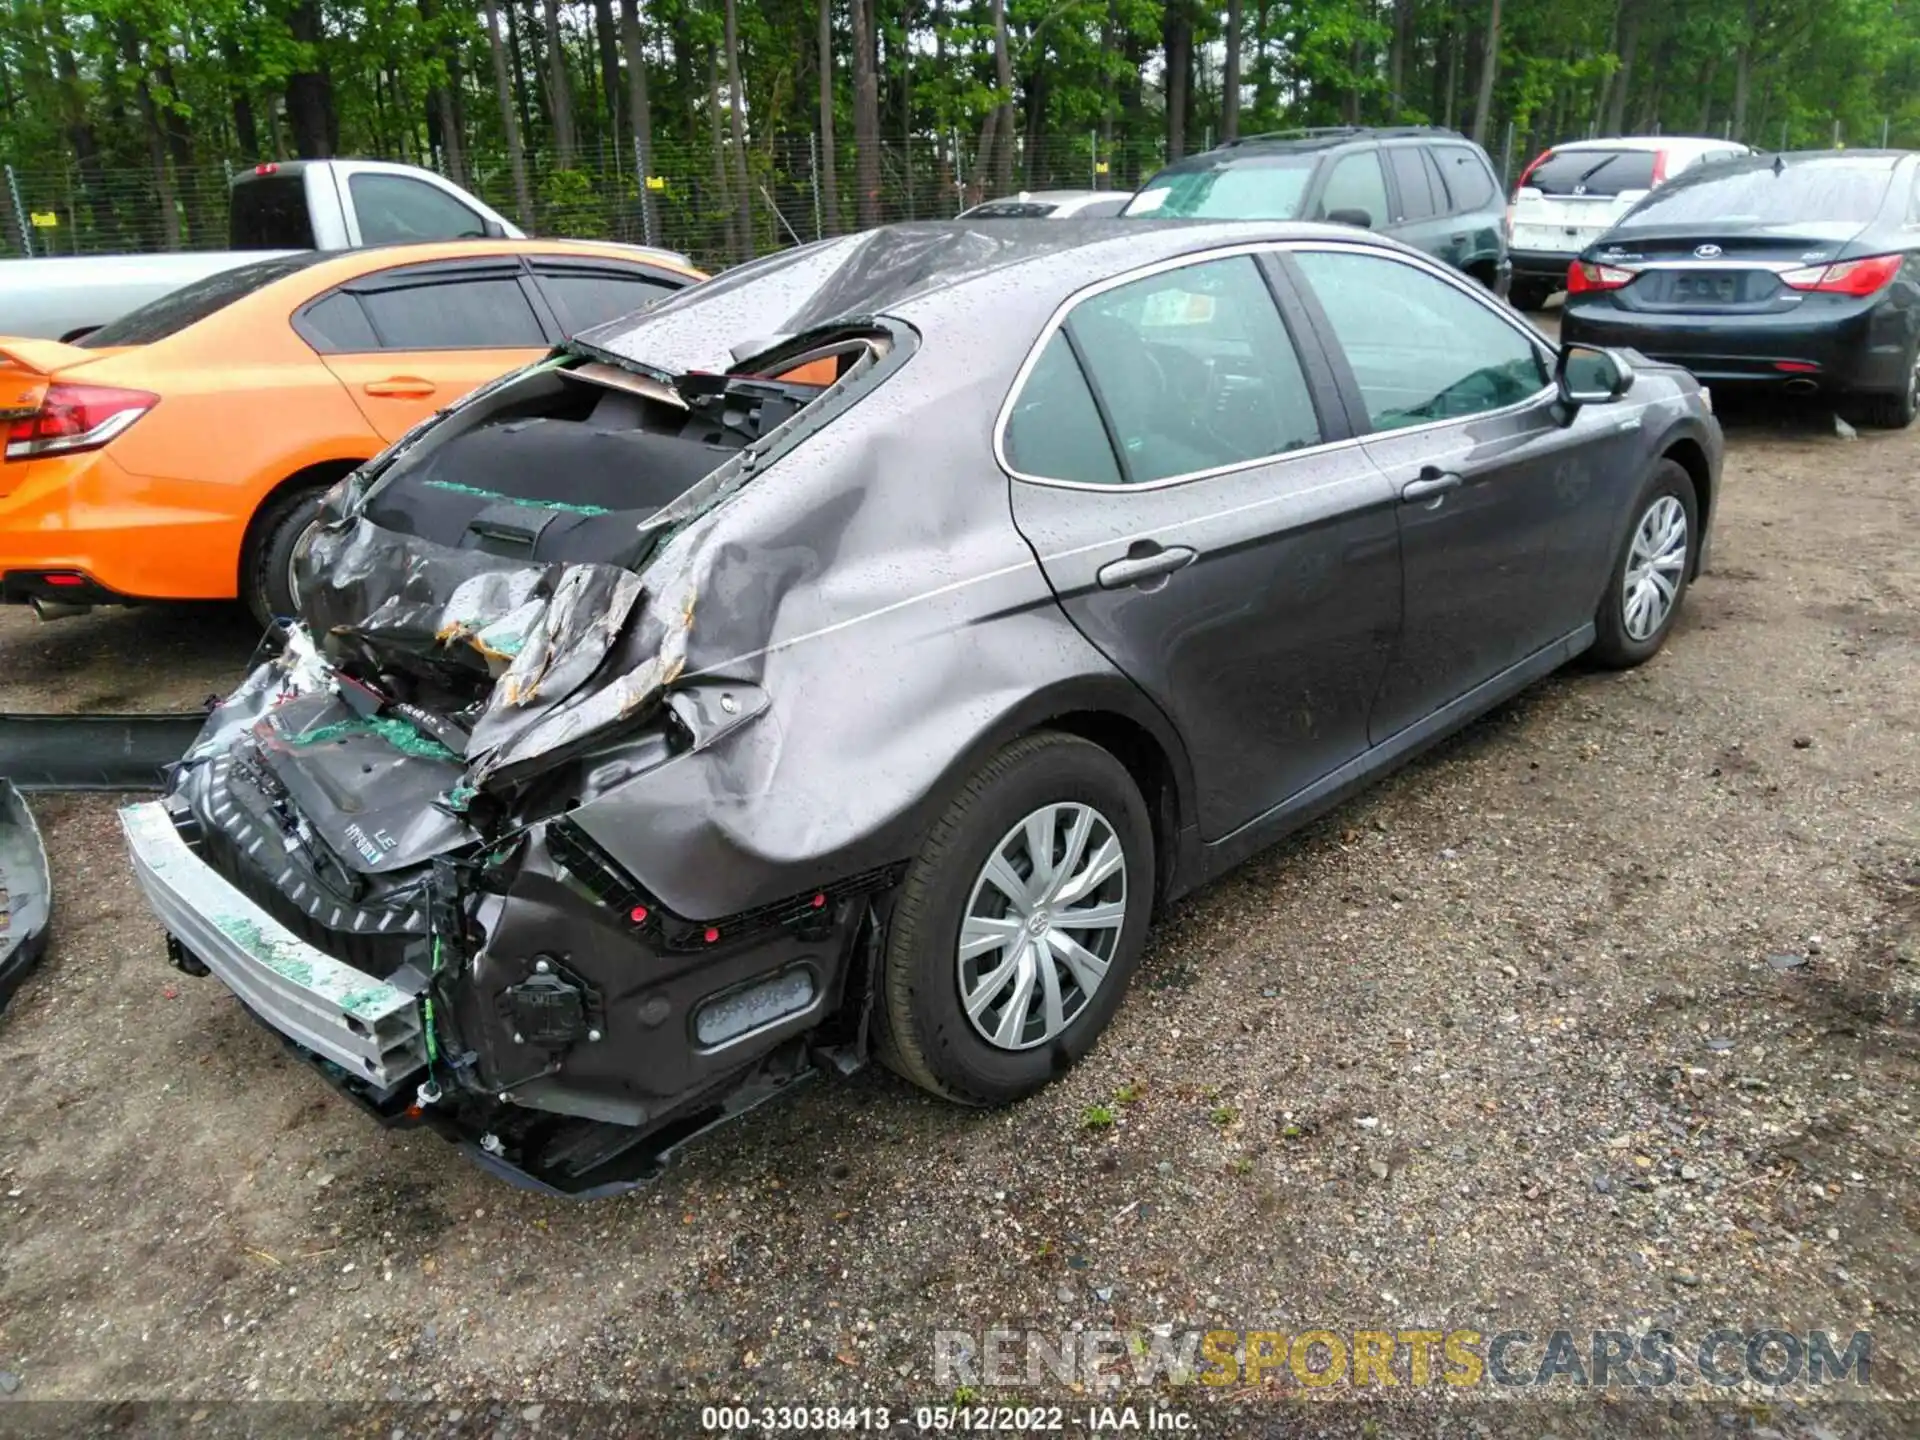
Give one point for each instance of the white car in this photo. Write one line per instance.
(1574, 193)
(1051, 205)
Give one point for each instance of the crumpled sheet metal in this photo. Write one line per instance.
(26, 892)
(299, 669)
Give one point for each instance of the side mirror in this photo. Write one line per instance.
(1359, 219)
(494, 230)
(1589, 375)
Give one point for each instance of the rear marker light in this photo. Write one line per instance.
(1858, 278)
(73, 418)
(819, 902)
(1582, 277)
(68, 581)
(638, 914)
(712, 935)
(1796, 367)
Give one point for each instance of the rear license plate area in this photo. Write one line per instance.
(1719, 289)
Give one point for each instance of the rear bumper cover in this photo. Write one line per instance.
(1541, 265)
(1848, 349)
(370, 1028)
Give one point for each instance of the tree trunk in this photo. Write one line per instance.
(509, 123)
(603, 30)
(80, 132)
(1104, 146)
(1397, 50)
(559, 90)
(517, 55)
(722, 186)
(309, 92)
(1489, 68)
(640, 113)
(1616, 114)
(1262, 65)
(131, 48)
(1707, 78)
(829, 160)
(1743, 71)
(1230, 81)
(737, 104)
(1455, 44)
(1176, 35)
(1003, 82)
(866, 115)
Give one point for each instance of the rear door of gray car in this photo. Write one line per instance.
(1182, 469)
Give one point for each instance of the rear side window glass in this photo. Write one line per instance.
(1593, 172)
(393, 209)
(479, 314)
(1054, 432)
(588, 297)
(190, 304)
(1195, 370)
(1833, 193)
(269, 212)
(1469, 182)
(337, 325)
(1356, 184)
(1411, 176)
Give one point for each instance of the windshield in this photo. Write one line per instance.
(190, 304)
(1009, 210)
(1762, 195)
(1249, 188)
(1593, 172)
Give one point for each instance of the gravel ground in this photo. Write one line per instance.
(1601, 1016)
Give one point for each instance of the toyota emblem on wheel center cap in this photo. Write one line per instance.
(1709, 252)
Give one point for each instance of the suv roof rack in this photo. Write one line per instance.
(1339, 132)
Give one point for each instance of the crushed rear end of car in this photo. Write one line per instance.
(392, 841)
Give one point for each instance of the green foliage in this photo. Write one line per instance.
(570, 205)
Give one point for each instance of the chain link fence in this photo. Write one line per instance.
(687, 197)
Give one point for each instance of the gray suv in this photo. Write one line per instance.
(1429, 188)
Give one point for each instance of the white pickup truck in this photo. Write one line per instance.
(274, 210)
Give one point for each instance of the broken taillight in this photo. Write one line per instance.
(76, 417)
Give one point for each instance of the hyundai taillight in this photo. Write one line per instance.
(72, 418)
(1849, 277)
(1582, 277)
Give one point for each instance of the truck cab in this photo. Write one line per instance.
(345, 204)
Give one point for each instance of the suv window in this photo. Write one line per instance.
(1356, 184)
(584, 296)
(1469, 182)
(1413, 177)
(1420, 349)
(1592, 172)
(394, 209)
(269, 212)
(1193, 370)
(1246, 187)
(1055, 431)
(486, 312)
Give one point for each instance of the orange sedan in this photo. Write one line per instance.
(180, 452)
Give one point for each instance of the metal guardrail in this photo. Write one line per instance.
(94, 752)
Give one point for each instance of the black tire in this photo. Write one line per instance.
(1617, 648)
(265, 584)
(1895, 412)
(922, 1031)
(1529, 295)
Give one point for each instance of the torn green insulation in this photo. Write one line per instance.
(397, 733)
(479, 494)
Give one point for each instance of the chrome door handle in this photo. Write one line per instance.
(1143, 565)
(1431, 485)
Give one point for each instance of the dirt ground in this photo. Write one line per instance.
(1601, 1016)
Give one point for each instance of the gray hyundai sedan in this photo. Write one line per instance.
(849, 656)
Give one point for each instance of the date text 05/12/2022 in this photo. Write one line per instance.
(956, 1419)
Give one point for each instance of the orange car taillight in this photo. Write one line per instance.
(76, 417)
(1858, 278)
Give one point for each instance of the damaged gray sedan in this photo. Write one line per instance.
(849, 655)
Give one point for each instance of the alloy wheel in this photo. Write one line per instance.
(1655, 563)
(1042, 925)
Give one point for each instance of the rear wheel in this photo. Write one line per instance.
(1897, 411)
(266, 571)
(1017, 928)
(1650, 573)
